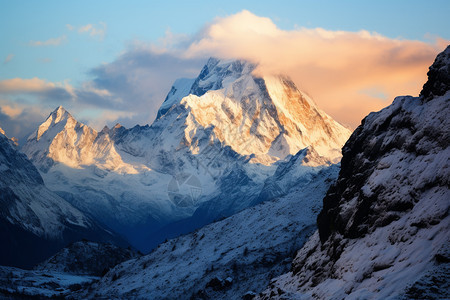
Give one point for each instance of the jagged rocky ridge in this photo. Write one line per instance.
(384, 230)
(227, 130)
(34, 221)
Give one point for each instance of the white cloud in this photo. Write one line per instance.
(97, 31)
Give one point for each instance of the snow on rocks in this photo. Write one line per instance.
(384, 227)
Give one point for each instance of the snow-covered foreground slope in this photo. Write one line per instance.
(211, 152)
(34, 221)
(384, 231)
(226, 259)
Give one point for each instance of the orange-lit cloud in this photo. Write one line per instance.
(19, 85)
(11, 111)
(348, 74)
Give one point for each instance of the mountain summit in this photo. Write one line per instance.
(227, 130)
(267, 117)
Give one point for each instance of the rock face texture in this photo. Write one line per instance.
(384, 229)
(438, 77)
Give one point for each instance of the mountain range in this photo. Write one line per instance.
(243, 176)
(214, 149)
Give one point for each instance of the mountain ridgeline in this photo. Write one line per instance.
(212, 151)
(247, 167)
(36, 222)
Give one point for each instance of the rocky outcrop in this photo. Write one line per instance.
(86, 258)
(385, 222)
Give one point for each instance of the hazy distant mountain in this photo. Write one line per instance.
(384, 231)
(212, 151)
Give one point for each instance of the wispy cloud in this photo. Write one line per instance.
(45, 91)
(19, 85)
(50, 42)
(8, 58)
(94, 30)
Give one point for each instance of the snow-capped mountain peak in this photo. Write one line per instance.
(267, 117)
(62, 139)
(59, 115)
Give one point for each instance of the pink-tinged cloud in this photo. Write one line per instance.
(349, 74)
(50, 42)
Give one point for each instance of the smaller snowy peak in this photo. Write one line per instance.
(61, 138)
(105, 129)
(58, 116)
(438, 76)
(2, 131)
(115, 134)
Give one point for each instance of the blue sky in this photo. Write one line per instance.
(25, 21)
(76, 42)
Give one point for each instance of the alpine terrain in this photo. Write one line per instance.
(384, 230)
(34, 221)
(216, 147)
